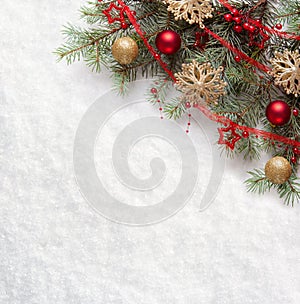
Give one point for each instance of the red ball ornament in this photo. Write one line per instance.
(278, 26)
(168, 42)
(278, 112)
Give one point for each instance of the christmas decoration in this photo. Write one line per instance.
(192, 11)
(125, 50)
(200, 82)
(286, 70)
(231, 60)
(278, 170)
(232, 138)
(168, 42)
(278, 112)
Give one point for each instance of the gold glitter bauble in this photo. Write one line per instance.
(125, 50)
(278, 170)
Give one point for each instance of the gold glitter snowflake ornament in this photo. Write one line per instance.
(200, 81)
(192, 11)
(286, 71)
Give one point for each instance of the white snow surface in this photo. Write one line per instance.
(54, 248)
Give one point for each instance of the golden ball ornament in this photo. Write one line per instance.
(125, 50)
(278, 170)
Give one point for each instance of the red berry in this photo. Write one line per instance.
(296, 112)
(153, 91)
(237, 20)
(188, 104)
(296, 150)
(238, 28)
(237, 58)
(257, 22)
(156, 56)
(293, 159)
(278, 26)
(251, 29)
(245, 134)
(124, 25)
(235, 12)
(246, 26)
(228, 17)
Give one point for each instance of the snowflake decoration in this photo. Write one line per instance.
(192, 11)
(286, 71)
(198, 81)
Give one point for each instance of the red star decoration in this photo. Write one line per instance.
(264, 39)
(201, 40)
(231, 139)
(112, 19)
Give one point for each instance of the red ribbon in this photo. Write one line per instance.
(238, 52)
(226, 121)
(205, 110)
(137, 27)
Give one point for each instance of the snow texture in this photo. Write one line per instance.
(54, 248)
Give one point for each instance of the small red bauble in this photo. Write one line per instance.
(124, 25)
(188, 104)
(293, 159)
(278, 112)
(238, 28)
(296, 112)
(168, 42)
(228, 17)
(278, 26)
(237, 58)
(296, 151)
(245, 134)
(153, 90)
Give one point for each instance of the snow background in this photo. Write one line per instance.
(54, 248)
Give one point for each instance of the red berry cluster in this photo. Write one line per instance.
(240, 22)
(296, 152)
(252, 27)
